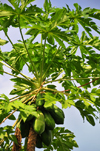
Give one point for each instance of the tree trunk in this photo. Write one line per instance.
(17, 147)
(31, 144)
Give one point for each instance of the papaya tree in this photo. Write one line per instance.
(52, 60)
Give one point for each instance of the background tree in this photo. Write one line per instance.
(53, 59)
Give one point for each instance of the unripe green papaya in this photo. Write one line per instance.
(39, 142)
(30, 117)
(39, 123)
(40, 101)
(49, 107)
(49, 121)
(46, 137)
(24, 127)
(58, 115)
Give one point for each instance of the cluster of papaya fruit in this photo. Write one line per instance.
(44, 123)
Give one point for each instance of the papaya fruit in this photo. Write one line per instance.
(57, 114)
(46, 137)
(49, 107)
(30, 118)
(24, 127)
(39, 142)
(39, 101)
(39, 123)
(49, 121)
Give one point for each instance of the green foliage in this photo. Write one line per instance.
(63, 139)
(54, 59)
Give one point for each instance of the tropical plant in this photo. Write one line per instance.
(53, 59)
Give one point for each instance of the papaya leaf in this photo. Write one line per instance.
(25, 3)
(90, 120)
(21, 81)
(1, 69)
(12, 117)
(13, 138)
(60, 42)
(23, 115)
(47, 6)
(17, 104)
(78, 7)
(3, 42)
(5, 97)
(62, 139)
(15, 4)
(50, 39)
(49, 100)
(68, 103)
(5, 13)
(58, 17)
(83, 22)
(15, 91)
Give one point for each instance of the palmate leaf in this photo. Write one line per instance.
(30, 16)
(47, 6)
(13, 138)
(6, 10)
(24, 3)
(50, 29)
(15, 4)
(90, 120)
(1, 69)
(4, 97)
(60, 42)
(6, 13)
(12, 117)
(49, 99)
(34, 33)
(92, 12)
(4, 131)
(94, 42)
(86, 110)
(50, 39)
(17, 59)
(87, 24)
(84, 18)
(62, 140)
(28, 110)
(32, 10)
(3, 42)
(20, 81)
(18, 91)
(25, 110)
(22, 86)
(58, 17)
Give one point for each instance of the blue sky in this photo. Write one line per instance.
(87, 136)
